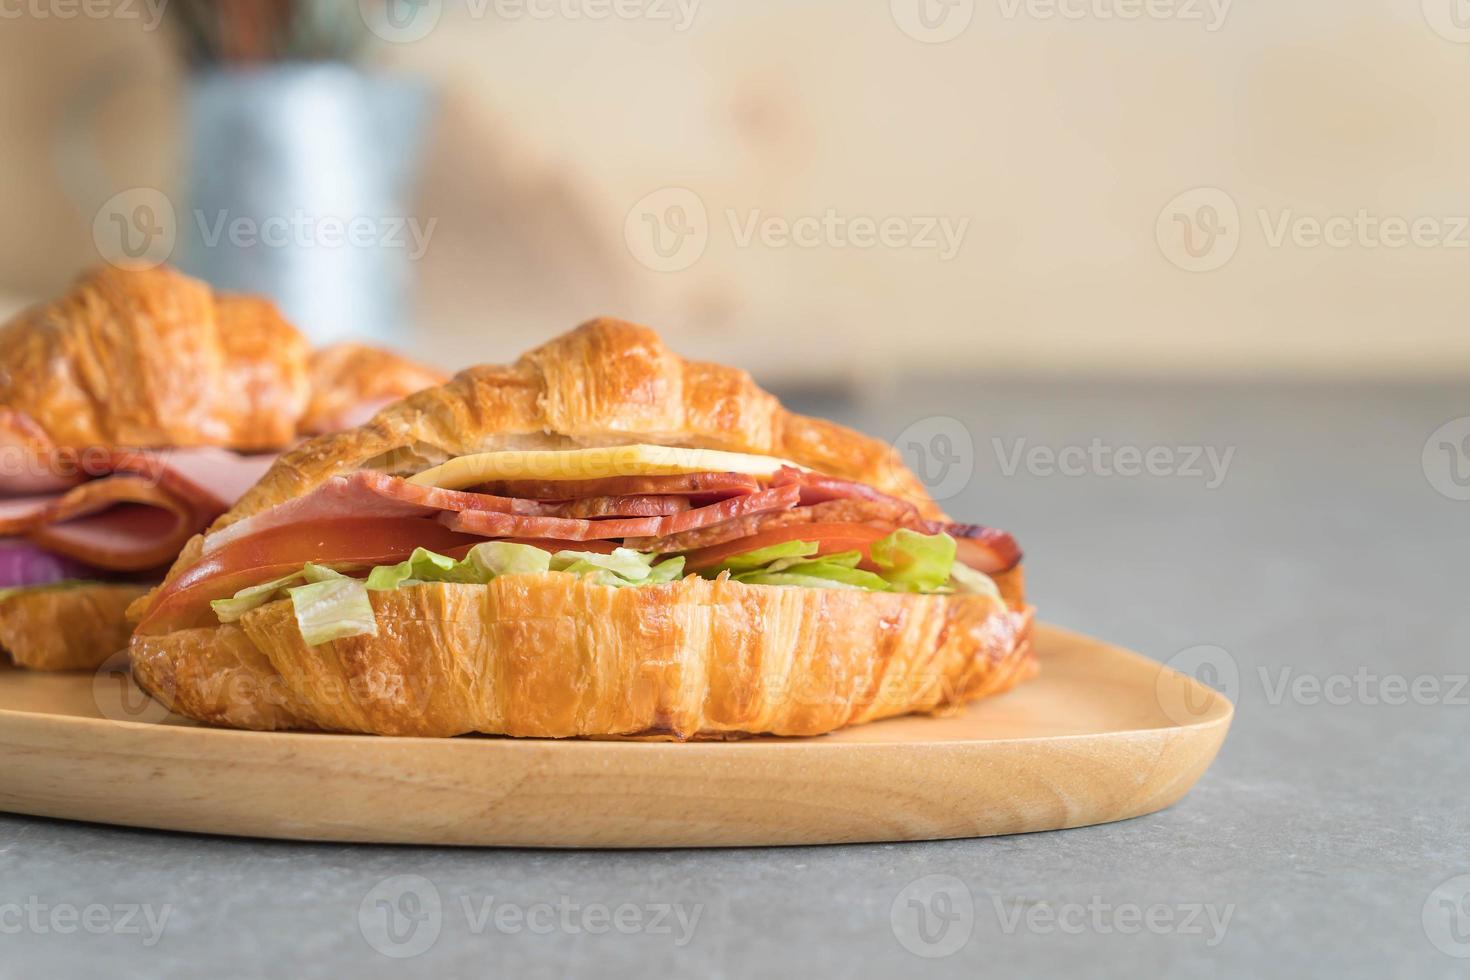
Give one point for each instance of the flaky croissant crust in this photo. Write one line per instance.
(606, 383)
(150, 357)
(66, 629)
(554, 656)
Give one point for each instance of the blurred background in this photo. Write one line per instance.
(820, 191)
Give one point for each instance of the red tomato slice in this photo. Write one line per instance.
(280, 551)
(830, 538)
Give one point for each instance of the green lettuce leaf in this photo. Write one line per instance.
(426, 566)
(761, 557)
(60, 585)
(914, 562)
(496, 558)
(967, 580)
(332, 608)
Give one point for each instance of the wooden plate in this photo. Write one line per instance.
(1100, 734)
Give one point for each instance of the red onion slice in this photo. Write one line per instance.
(23, 563)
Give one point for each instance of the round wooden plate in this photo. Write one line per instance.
(1100, 734)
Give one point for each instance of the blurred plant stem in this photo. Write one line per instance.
(224, 33)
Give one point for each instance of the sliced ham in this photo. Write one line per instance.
(817, 489)
(371, 494)
(831, 512)
(493, 525)
(631, 505)
(129, 537)
(140, 515)
(703, 487)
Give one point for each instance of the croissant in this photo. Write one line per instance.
(553, 655)
(152, 358)
(123, 405)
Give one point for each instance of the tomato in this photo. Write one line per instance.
(829, 538)
(279, 551)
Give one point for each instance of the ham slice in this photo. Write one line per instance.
(703, 487)
(138, 517)
(371, 494)
(496, 525)
(818, 489)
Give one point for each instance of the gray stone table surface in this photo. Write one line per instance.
(1324, 562)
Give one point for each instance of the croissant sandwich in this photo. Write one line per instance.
(599, 540)
(134, 410)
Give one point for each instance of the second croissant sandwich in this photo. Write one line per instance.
(599, 540)
(134, 410)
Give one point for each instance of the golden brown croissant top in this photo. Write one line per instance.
(150, 357)
(350, 382)
(607, 382)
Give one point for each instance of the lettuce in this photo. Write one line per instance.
(330, 605)
(906, 561)
(761, 557)
(495, 558)
(60, 585)
(967, 580)
(333, 608)
(914, 562)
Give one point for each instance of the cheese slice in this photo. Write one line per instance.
(592, 464)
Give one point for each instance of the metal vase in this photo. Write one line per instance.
(298, 180)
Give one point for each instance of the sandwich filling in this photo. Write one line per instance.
(623, 517)
(109, 515)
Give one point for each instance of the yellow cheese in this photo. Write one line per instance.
(592, 464)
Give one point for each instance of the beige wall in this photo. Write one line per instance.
(1058, 142)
